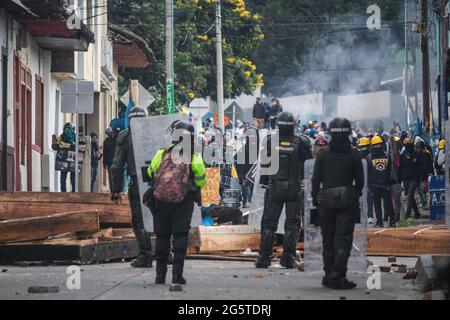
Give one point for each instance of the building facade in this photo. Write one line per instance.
(41, 44)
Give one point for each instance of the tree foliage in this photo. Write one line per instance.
(195, 53)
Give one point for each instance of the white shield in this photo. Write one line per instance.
(149, 135)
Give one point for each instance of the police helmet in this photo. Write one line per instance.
(137, 112)
(340, 127)
(286, 124)
(186, 127)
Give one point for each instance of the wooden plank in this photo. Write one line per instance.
(42, 227)
(108, 251)
(108, 213)
(60, 197)
(81, 251)
(224, 238)
(412, 241)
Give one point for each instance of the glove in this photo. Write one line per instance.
(116, 197)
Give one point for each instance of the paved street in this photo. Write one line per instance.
(206, 280)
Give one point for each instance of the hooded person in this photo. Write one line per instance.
(379, 182)
(64, 145)
(320, 143)
(109, 147)
(411, 168)
(422, 149)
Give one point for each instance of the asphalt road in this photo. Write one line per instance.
(206, 280)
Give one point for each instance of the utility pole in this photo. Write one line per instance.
(220, 102)
(443, 105)
(170, 87)
(405, 85)
(425, 68)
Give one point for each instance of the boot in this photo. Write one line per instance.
(289, 247)
(327, 282)
(143, 260)
(266, 248)
(341, 283)
(162, 257)
(177, 278)
(180, 244)
(288, 261)
(161, 271)
(177, 272)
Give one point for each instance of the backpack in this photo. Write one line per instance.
(172, 181)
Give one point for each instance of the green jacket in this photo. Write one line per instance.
(198, 167)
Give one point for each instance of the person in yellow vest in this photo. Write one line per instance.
(439, 159)
(176, 187)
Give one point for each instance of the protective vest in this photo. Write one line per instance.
(197, 165)
(286, 183)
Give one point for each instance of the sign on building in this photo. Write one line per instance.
(77, 96)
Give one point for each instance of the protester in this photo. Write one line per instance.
(95, 158)
(439, 160)
(379, 182)
(259, 112)
(64, 146)
(411, 169)
(109, 147)
(364, 151)
(274, 111)
(428, 171)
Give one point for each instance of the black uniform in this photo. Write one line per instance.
(337, 184)
(284, 189)
(124, 156)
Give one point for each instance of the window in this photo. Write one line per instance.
(39, 115)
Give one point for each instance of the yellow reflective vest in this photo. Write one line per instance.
(198, 167)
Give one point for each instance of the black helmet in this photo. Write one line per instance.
(137, 112)
(181, 125)
(286, 124)
(340, 127)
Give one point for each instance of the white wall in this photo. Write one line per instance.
(374, 105)
(6, 40)
(309, 104)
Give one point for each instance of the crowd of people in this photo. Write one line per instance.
(397, 162)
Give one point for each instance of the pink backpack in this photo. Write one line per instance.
(172, 181)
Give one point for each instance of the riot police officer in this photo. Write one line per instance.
(284, 189)
(337, 183)
(124, 156)
(173, 218)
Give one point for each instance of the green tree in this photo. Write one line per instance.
(195, 53)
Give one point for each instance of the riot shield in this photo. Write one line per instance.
(149, 135)
(313, 237)
(256, 209)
